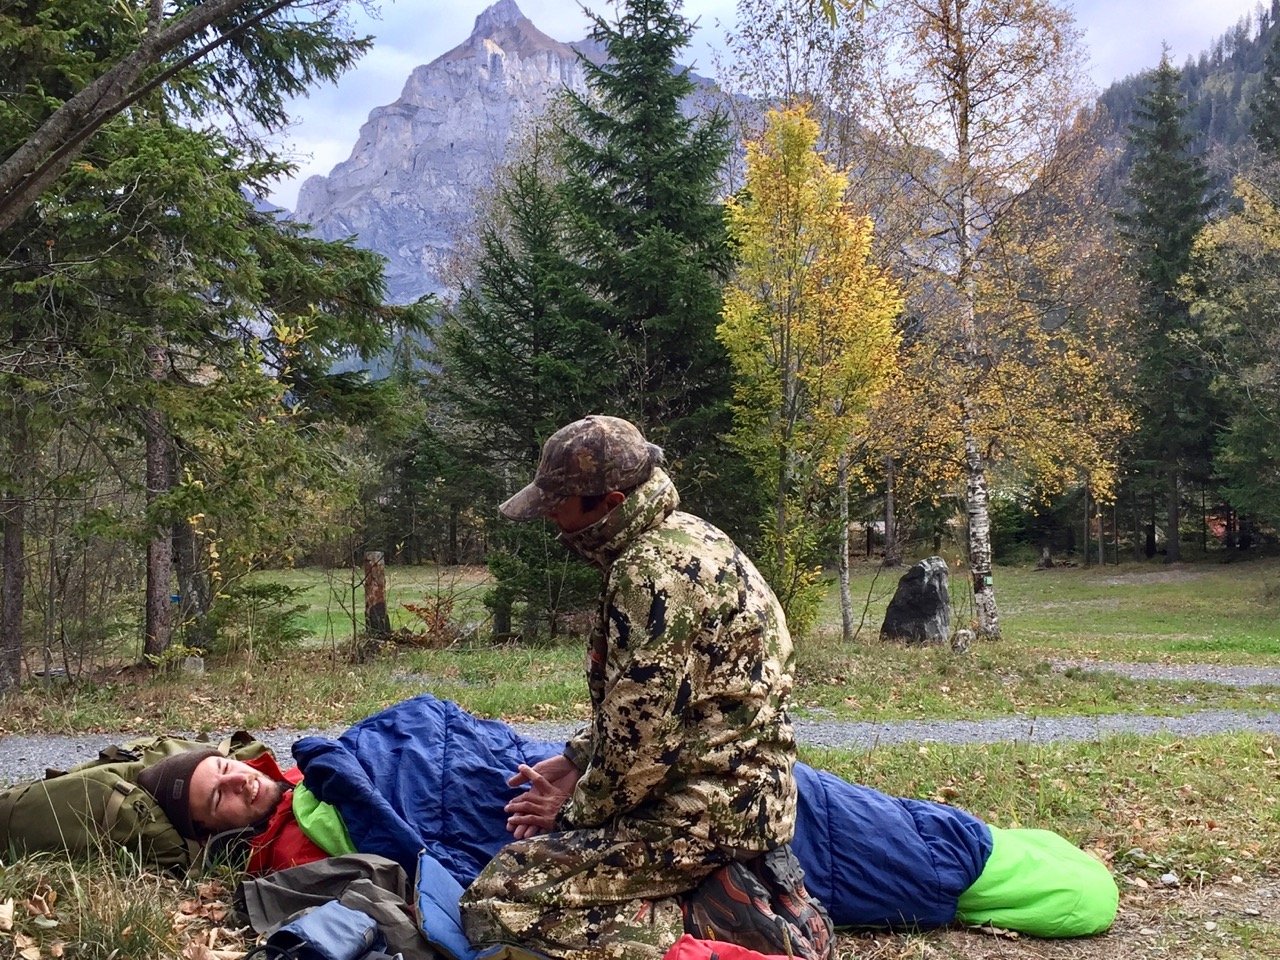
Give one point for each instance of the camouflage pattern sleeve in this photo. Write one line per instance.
(578, 748)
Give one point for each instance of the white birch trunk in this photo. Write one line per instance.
(846, 598)
(977, 508)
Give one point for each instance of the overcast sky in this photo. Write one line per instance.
(1122, 36)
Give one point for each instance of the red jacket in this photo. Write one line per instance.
(281, 844)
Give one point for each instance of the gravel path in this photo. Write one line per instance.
(24, 757)
(1207, 673)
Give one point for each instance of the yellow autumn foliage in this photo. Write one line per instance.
(808, 323)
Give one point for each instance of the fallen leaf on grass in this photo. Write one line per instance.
(201, 951)
(189, 910)
(212, 890)
(41, 901)
(993, 931)
(6, 915)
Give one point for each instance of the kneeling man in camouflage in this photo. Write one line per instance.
(672, 810)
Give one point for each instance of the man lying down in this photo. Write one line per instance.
(424, 775)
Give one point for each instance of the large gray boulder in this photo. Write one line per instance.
(920, 611)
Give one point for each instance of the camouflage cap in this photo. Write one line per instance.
(588, 458)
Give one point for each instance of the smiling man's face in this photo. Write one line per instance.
(228, 794)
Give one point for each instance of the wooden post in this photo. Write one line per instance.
(376, 623)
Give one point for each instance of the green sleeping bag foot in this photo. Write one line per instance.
(1039, 883)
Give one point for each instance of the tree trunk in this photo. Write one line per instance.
(1173, 544)
(377, 624)
(159, 620)
(1137, 526)
(193, 586)
(502, 619)
(846, 597)
(1102, 534)
(1087, 518)
(13, 581)
(892, 549)
(977, 507)
(780, 522)
(1204, 524)
(451, 552)
(977, 501)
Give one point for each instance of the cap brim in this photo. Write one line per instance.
(529, 504)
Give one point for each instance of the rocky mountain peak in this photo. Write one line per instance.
(423, 164)
(419, 174)
(504, 13)
(504, 26)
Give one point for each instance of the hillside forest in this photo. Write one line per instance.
(916, 286)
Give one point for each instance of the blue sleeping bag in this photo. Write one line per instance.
(424, 775)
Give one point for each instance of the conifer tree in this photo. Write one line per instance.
(147, 249)
(1168, 203)
(648, 230)
(1264, 108)
(1234, 286)
(520, 357)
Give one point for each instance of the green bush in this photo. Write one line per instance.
(260, 619)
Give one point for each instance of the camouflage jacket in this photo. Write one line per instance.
(690, 670)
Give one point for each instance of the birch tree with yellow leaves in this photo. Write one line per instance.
(808, 325)
(972, 117)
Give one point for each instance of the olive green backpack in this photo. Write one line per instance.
(98, 807)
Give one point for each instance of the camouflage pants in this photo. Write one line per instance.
(587, 894)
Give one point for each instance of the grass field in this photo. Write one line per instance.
(1204, 613)
(1208, 613)
(1190, 827)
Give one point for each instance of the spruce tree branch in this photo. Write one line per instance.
(47, 154)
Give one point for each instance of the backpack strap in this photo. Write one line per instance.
(120, 791)
(118, 754)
